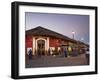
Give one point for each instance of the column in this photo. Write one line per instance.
(47, 43)
(33, 48)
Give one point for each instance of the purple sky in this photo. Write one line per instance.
(61, 23)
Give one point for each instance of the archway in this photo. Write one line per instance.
(41, 47)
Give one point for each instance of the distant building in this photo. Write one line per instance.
(43, 40)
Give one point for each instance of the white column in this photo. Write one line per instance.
(47, 43)
(33, 45)
(36, 45)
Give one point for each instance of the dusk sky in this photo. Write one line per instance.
(61, 23)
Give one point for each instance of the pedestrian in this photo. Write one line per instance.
(75, 52)
(62, 52)
(30, 54)
(65, 52)
(51, 51)
(87, 55)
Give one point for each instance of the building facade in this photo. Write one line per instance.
(43, 41)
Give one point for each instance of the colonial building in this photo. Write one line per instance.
(43, 40)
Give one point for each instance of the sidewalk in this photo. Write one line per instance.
(53, 61)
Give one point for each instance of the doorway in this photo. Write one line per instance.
(41, 47)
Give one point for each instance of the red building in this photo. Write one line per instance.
(44, 40)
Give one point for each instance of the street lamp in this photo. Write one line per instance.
(73, 33)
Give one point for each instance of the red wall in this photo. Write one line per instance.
(53, 42)
(28, 41)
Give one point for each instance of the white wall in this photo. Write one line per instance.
(5, 40)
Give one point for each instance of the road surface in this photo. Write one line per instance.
(55, 61)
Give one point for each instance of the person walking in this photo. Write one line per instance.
(65, 52)
(30, 54)
(87, 55)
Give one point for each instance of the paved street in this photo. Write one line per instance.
(53, 61)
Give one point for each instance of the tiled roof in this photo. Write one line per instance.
(40, 31)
